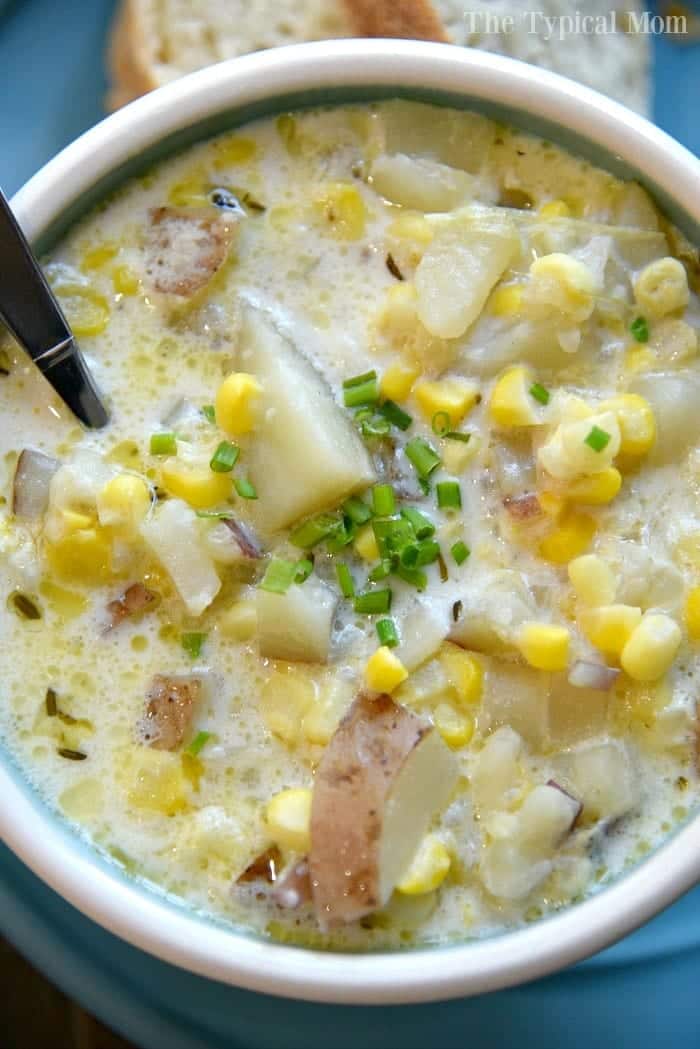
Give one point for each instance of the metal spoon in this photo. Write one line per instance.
(30, 311)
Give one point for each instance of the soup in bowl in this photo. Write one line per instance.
(370, 620)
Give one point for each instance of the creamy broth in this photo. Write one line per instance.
(196, 596)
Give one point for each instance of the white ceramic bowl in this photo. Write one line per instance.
(194, 108)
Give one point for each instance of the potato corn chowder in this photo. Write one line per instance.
(372, 617)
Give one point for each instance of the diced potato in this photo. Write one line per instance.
(592, 579)
(602, 776)
(674, 398)
(173, 535)
(495, 606)
(420, 183)
(306, 456)
(288, 819)
(422, 631)
(158, 783)
(296, 625)
(83, 800)
(332, 700)
(460, 268)
(239, 622)
(496, 772)
(286, 697)
(517, 696)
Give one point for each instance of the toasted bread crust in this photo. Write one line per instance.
(412, 19)
(128, 58)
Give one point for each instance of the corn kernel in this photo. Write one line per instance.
(651, 647)
(197, 485)
(506, 300)
(596, 489)
(365, 544)
(397, 381)
(636, 421)
(84, 556)
(569, 539)
(86, 310)
(592, 580)
(662, 287)
(464, 672)
(157, 782)
(692, 613)
(398, 316)
(673, 342)
(288, 819)
(410, 225)
(384, 671)
(239, 622)
(511, 402)
(609, 627)
(236, 403)
(95, 258)
(544, 646)
(69, 521)
(555, 209)
(123, 502)
(454, 396)
(455, 727)
(341, 205)
(567, 453)
(552, 503)
(125, 281)
(428, 868)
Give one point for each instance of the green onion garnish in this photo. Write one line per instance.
(304, 569)
(597, 439)
(540, 393)
(421, 525)
(279, 576)
(441, 423)
(224, 458)
(455, 435)
(342, 535)
(391, 533)
(345, 580)
(209, 412)
(460, 551)
(640, 329)
(372, 602)
(428, 551)
(197, 743)
(163, 444)
(357, 510)
(377, 426)
(414, 576)
(386, 632)
(383, 500)
(192, 644)
(408, 556)
(395, 415)
(449, 496)
(380, 571)
(423, 457)
(220, 515)
(311, 532)
(245, 488)
(362, 389)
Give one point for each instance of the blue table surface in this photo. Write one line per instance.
(641, 993)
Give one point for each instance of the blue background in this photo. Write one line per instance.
(641, 994)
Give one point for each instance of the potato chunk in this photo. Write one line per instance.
(296, 625)
(384, 774)
(305, 456)
(173, 536)
(186, 247)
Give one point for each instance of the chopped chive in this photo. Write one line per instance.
(421, 525)
(220, 515)
(428, 551)
(395, 415)
(441, 423)
(279, 576)
(342, 535)
(51, 701)
(423, 457)
(455, 435)
(391, 533)
(313, 531)
(409, 555)
(163, 444)
(377, 426)
(386, 632)
(449, 496)
(357, 510)
(640, 329)
(540, 393)
(197, 743)
(424, 485)
(380, 571)
(371, 602)
(597, 439)
(71, 755)
(192, 644)
(414, 576)
(363, 389)
(209, 412)
(304, 569)
(345, 580)
(245, 488)
(24, 606)
(383, 500)
(224, 458)
(460, 551)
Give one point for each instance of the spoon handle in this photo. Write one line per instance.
(30, 311)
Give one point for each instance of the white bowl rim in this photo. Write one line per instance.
(139, 916)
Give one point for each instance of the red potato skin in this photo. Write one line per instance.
(171, 703)
(172, 265)
(353, 780)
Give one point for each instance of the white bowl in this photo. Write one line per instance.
(195, 108)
